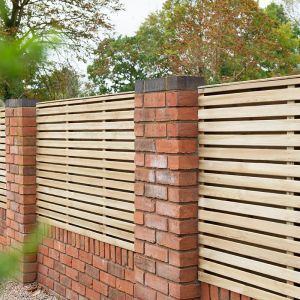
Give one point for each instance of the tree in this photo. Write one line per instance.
(62, 83)
(78, 23)
(220, 40)
(119, 63)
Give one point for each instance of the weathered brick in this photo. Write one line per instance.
(155, 99)
(156, 191)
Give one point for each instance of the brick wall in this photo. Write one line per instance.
(166, 240)
(78, 267)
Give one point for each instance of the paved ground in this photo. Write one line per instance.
(16, 291)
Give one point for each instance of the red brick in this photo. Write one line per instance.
(182, 130)
(74, 274)
(65, 259)
(59, 267)
(176, 146)
(183, 258)
(139, 218)
(100, 287)
(129, 275)
(183, 162)
(224, 294)
(177, 114)
(243, 298)
(86, 257)
(155, 130)
(100, 263)
(115, 294)
(142, 292)
(235, 296)
(156, 222)
(72, 251)
(144, 204)
(204, 291)
(182, 195)
(78, 288)
(116, 270)
(78, 265)
(141, 115)
(108, 279)
(156, 161)
(139, 276)
(214, 292)
(71, 295)
(177, 211)
(155, 99)
(139, 188)
(92, 295)
(146, 234)
(182, 98)
(144, 175)
(139, 130)
(183, 226)
(65, 281)
(144, 263)
(48, 262)
(156, 191)
(139, 100)
(156, 283)
(156, 252)
(139, 246)
(176, 274)
(176, 242)
(124, 286)
(85, 280)
(176, 177)
(190, 291)
(92, 272)
(145, 145)
(139, 159)
(59, 289)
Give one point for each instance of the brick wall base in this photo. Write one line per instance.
(78, 267)
(211, 292)
(2, 228)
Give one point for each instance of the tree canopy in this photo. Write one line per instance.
(220, 40)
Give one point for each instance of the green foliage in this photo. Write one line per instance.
(9, 260)
(219, 40)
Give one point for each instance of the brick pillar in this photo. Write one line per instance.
(20, 119)
(166, 240)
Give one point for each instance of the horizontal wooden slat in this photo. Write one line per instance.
(115, 115)
(251, 223)
(260, 239)
(250, 126)
(280, 185)
(250, 154)
(250, 251)
(124, 176)
(88, 145)
(98, 106)
(88, 233)
(88, 135)
(250, 264)
(251, 168)
(255, 112)
(260, 281)
(124, 125)
(250, 97)
(121, 155)
(279, 140)
(103, 164)
(250, 209)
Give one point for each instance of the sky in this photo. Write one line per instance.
(128, 21)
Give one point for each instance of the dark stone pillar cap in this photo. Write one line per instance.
(14, 103)
(177, 83)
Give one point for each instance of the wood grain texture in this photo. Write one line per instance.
(249, 187)
(85, 166)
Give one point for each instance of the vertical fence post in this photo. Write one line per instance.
(166, 188)
(20, 120)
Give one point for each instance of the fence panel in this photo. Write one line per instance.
(2, 160)
(249, 189)
(85, 167)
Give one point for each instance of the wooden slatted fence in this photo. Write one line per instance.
(85, 167)
(249, 189)
(2, 160)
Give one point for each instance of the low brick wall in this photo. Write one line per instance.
(78, 267)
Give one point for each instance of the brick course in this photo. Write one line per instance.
(77, 267)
